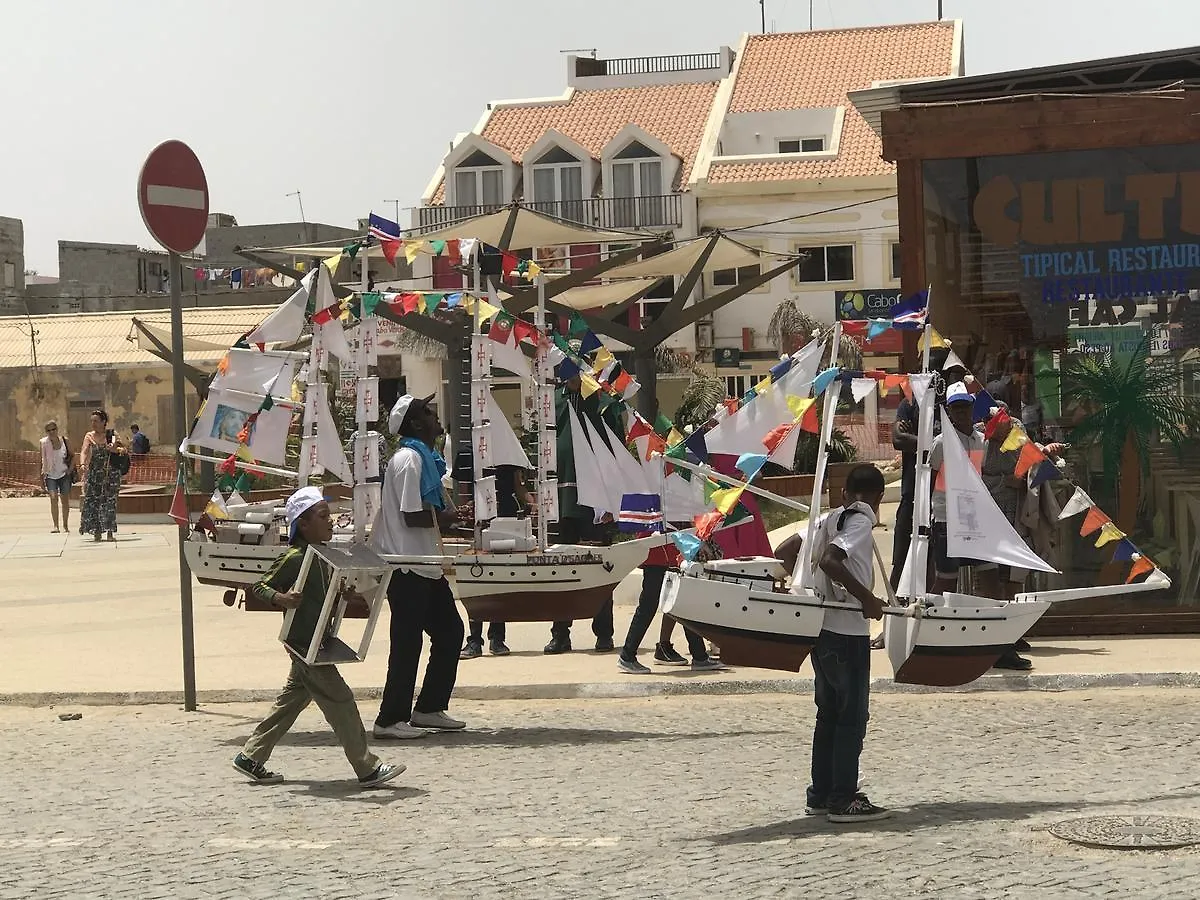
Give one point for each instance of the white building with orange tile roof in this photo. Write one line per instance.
(728, 140)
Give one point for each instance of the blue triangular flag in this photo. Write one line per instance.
(877, 327)
(589, 343)
(750, 463)
(1124, 551)
(695, 442)
(780, 368)
(825, 379)
(688, 544)
(983, 406)
(1047, 471)
(567, 369)
(453, 300)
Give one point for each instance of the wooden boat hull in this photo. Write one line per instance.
(565, 582)
(957, 640)
(753, 628)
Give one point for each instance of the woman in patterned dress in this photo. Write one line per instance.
(101, 478)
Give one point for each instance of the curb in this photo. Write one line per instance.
(628, 690)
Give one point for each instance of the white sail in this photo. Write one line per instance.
(225, 413)
(589, 479)
(976, 528)
(633, 478)
(511, 358)
(256, 373)
(610, 469)
(287, 321)
(506, 446)
(328, 445)
(914, 575)
(743, 432)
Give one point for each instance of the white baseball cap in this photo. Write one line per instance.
(400, 411)
(299, 503)
(958, 393)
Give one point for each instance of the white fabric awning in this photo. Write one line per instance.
(595, 296)
(728, 254)
(532, 229)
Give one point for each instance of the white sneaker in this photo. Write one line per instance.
(438, 720)
(401, 731)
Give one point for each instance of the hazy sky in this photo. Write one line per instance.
(353, 102)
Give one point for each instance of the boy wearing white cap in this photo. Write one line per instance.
(309, 522)
(960, 406)
(413, 510)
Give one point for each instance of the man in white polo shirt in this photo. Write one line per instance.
(413, 511)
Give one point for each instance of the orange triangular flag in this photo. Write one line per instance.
(1093, 521)
(1030, 457)
(809, 422)
(1140, 567)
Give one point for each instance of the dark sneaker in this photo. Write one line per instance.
(558, 645)
(1010, 659)
(708, 665)
(499, 648)
(665, 655)
(383, 772)
(605, 645)
(255, 771)
(631, 667)
(860, 809)
(819, 810)
(472, 650)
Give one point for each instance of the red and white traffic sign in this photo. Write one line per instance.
(173, 196)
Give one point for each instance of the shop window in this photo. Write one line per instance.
(834, 262)
(895, 255)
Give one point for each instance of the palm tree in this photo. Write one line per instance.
(791, 328)
(1126, 404)
(700, 399)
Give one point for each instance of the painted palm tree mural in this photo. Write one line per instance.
(1124, 404)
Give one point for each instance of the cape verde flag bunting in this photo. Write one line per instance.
(384, 229)
(640, 512)
(909, 313)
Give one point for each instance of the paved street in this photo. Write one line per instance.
(660, 797)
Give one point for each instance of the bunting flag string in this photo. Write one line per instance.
(1093, 521)
(1141, 566)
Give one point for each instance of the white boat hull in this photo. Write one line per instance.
(565, 582)
(957, 639)
(755, 628)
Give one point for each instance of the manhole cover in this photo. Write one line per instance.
(1130, 832)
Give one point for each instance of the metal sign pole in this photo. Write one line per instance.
(181, 431)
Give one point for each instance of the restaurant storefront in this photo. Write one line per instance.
(1060, 237)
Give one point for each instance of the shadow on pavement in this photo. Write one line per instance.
(347, 790)
(917, 816)
(1043, 650)
(509, 737)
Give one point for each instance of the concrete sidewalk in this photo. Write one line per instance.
(100, 623)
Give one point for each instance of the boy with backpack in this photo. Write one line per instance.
(309, 522)
(843, 566)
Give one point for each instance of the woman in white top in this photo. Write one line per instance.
(56, 473)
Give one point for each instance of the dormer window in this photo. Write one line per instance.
(802, 145)
(558, 184)
(479, 181)
(637, 172)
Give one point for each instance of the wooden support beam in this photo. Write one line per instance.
(198, 378)
(680, 297)
(527, 298)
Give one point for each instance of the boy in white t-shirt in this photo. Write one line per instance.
(844, 561)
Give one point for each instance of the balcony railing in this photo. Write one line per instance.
(646, 65)
(600, 212)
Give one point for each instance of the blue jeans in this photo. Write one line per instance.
(842, 664)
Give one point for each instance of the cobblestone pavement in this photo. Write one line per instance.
(659, 797)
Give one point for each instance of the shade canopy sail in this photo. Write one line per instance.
(727, 254)
(162, 334)
(595, 296)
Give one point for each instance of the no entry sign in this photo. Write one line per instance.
(173, 196)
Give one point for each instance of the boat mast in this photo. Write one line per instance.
(476, 277)
(545, 428)
(359, 490)
(917, 561)
(832, 393)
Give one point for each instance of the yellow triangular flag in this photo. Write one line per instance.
(935, 339)
(674, 437)
(603, 358)
(243, 453)
(763, 386)
(587, 384)
(487, 311)
(533, 270)
(215, 508)
(332, 264)
(1108, 533)
(296, 392)
(799, 406)
(411, 249)
(1016, 439)
(726, 498)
